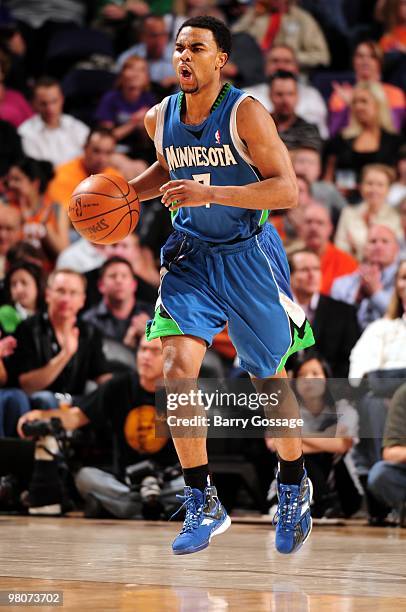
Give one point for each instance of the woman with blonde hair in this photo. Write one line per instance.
(123, 109)
(355, 221)
(367, 62)
(370, 137)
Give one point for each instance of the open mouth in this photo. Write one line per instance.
(185, 73)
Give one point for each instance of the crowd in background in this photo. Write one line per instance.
(76, 79)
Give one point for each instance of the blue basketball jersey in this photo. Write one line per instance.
(211, 153)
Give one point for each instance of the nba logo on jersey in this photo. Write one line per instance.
(217, 136)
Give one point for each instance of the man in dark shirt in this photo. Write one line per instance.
(127, 403)
(56, 352)
(387, 478)
(293, 130)
(119, 315)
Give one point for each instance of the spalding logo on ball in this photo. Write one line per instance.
(104, 209)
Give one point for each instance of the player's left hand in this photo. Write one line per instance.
(185, 193)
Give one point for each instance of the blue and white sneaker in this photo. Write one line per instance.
(292, 519)
(205, 518)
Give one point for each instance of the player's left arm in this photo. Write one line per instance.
(277, 190)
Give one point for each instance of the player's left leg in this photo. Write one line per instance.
(293, 519)
(205, 516)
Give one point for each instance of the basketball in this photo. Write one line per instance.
(104, 209)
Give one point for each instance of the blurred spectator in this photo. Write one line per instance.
(371, 286)
(45, 223)
(51, 134)
(281, 22)
(13, 44)
(369, 138)
(327, 461)
(354, 221)
(402, 214)
(139, 256)
(119, 315)
(316, 231)
(14, 108)
(24, 295)
(39, 20)
(289, 223)
(393, 15)
(127, 403)
(56, 352)
(367, 63)
(85, 257)
(96, 159)
(292, 129)
(10, 149)
(387, 478)
(13, 402)
(10, 232)
(306, 161)
(123, 109)
(397, 190)
(310, 104)
(382, 346)
(155, 48)
(334, 342)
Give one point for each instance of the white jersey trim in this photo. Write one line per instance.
(159, 128)
(235, 137)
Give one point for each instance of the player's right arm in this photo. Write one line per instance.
(148, 183)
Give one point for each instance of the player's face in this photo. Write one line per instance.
(150, 359)
(307, 273)
(65, 296)
(196, 59)
(118, 283)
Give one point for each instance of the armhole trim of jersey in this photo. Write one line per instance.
(159, 128)
(235, 137)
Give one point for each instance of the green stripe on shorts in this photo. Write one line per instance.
(302, 338)
(162, 326)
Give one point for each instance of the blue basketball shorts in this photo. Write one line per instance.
(245, 284)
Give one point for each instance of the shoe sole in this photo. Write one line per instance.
(51, 510)
(310, 530)
(221, 529)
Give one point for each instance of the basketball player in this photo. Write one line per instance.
(221, 167)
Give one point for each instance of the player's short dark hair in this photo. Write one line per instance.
(282, 74)
(115, 259)
(220, 31)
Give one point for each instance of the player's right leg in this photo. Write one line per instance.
(205, 516)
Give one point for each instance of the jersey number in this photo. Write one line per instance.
(202, 178)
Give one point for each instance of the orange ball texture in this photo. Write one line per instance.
(104, 209)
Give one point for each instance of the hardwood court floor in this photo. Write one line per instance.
(128, 566)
